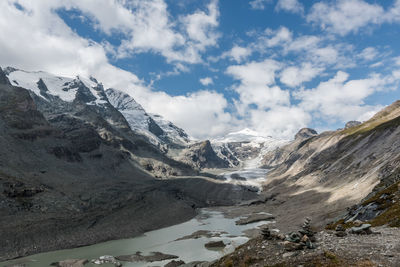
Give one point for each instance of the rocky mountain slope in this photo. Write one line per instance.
(346, 181)
(72, 171)
(335, 170)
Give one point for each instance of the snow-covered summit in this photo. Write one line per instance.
(67, 89)
(158, 130)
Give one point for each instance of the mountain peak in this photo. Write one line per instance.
(305, 133)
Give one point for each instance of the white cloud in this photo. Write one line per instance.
(341, 98)
(257, 85)
(146, 26)
(294, 76)
(200, 26)
(293, 6)
(349, 16)
(397, 61)
(278, 37)
(206, 81)
(255, 72)
(237, 53)
(259, 4)
(280, 121)
(202, 114)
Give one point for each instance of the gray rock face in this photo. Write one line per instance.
(3, 78)
(202, 155)
(305, 133)
(351, 124)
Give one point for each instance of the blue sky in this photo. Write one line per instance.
(212, 66)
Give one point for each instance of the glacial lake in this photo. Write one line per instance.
(163, 240)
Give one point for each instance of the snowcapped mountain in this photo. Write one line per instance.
(241, 146)
(49, 87)
(44, 84)
(158, 130)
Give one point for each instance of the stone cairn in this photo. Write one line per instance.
(304, 238)
(266, 233)
(270, 235)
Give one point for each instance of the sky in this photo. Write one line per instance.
(218, 66)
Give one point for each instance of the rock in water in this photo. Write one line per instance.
(106, 259)
(153, 256)
(70, 263)
(215, 244)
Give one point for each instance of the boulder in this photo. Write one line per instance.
(363, 229)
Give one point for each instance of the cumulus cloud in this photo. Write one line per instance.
(293, 6)
(277, 37)
(341, 98)
(282, 121)
(146, 26)
(349, 16)
(294, 76)
(206, 81)
(202, 114)
(237, 53)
